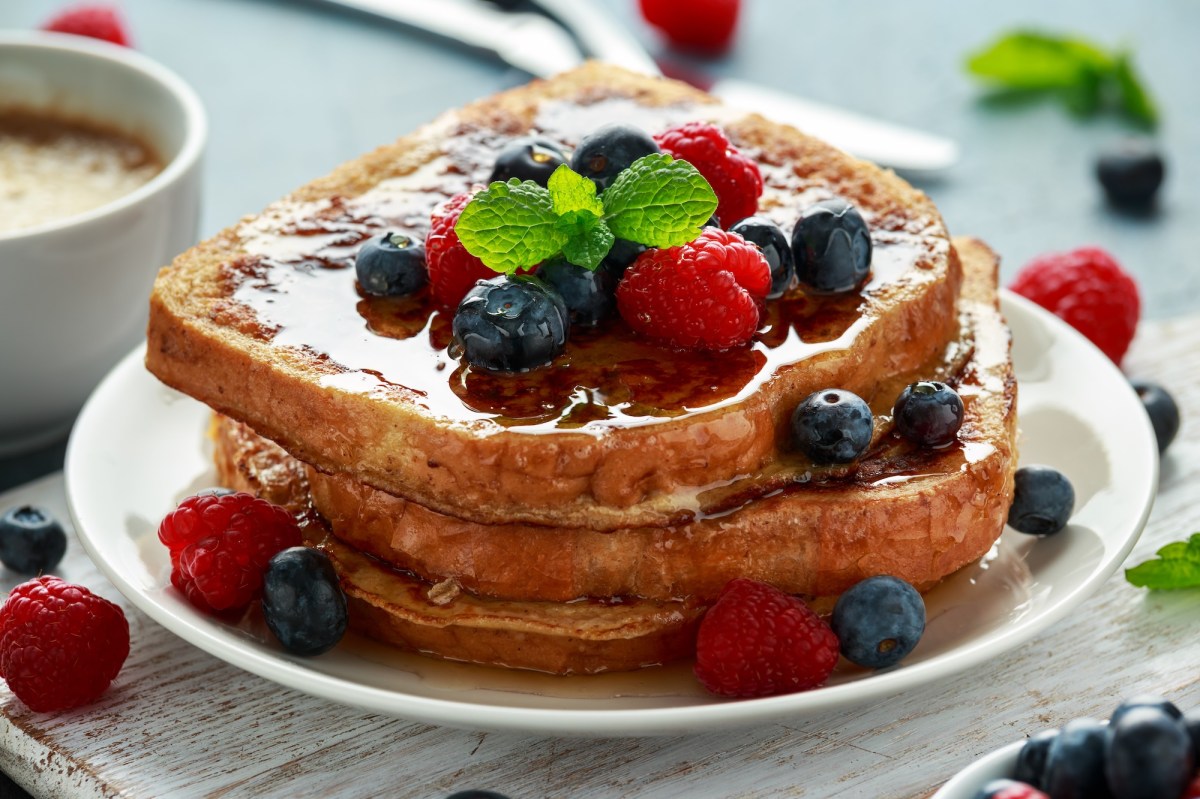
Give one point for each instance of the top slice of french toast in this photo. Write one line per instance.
(264, 322)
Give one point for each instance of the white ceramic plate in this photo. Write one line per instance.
(966, 783)
(138, 448)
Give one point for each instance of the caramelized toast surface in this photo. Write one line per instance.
(575, 600)
(264, 323)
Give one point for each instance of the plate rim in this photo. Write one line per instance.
(288, 670)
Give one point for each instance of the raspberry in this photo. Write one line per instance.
(703, 25)
(60, 644)
(758, 641)
(702, 295)
(452, 270)
(1010, 789)
(220, 546)
(98, 22)
(1090, 291)
(1193, 789)
(733, 176)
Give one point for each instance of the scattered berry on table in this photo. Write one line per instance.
(451, 269)
(1009, 789)
(1191, 720)
(929, 413)
(511, 325)
(60, 644)
(832, 426)
(878, 621)
(1088, 290)
(1043, 499)
(220, 545)
(1163, 411)
(1193, 789)
(605, 152)
(589, 294)
(734, 177)
(391, 265)
(1131, 173)
(705, 26)
(302, 601)
(1075, 762)
(476, 795)
(1031, 760)
(775, 248)
(1145, 700)
(528, 158)
(95, 21)
(701, 295)
(1147, 753)
(31, 540)
(756, 640)
(832, 247)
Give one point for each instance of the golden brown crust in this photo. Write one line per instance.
(913, 514)
(204, 345)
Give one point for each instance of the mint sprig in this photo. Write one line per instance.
(1177, 566)
(658, 201)
(1080, 73)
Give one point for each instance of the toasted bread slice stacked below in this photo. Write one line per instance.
(581, 517)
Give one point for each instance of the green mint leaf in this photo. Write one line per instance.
(658, 201)
(1134, 98)
(577, 223)
(1177, 566)
(572, 192)
(1031, 60)
(511, 225)
(589, 248)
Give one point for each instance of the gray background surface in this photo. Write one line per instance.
(294, 88)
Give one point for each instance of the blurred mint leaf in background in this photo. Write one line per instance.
(1081, 74)
(1177, 566)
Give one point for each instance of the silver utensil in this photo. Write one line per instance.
(560, 34)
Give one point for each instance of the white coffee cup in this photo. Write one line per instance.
(73, 292)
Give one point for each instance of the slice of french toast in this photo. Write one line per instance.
(430, 582)
(265, 324)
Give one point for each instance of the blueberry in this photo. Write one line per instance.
(1146, 700)
(878, 621)
(775, 248)
(1001, 787)
(1131, 173)
(1043, 499)
(391, 265)
(929, 413)
(528, 158)
(31, 540)
(511, 324)
(302, 601)
(1031, 760)
(621, 256)
(832, 247)
(589, 294)
(1075, 762)
(606, 151)
(1148, 754)
(713, 221)
(1164, 413)
(832, 426)
(476, 795)
(1191, 721)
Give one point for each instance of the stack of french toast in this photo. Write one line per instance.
(582, 516)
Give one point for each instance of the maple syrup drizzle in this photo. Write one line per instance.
(606, 377)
